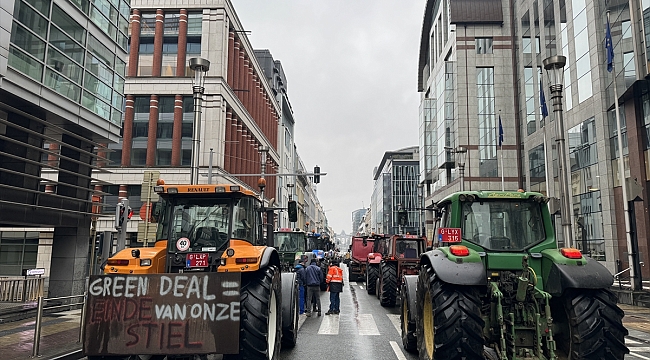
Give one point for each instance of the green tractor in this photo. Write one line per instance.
(497, 287)
(291, 245)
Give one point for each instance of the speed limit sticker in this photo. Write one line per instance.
(183, 244)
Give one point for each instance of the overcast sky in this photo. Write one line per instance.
(351, 69)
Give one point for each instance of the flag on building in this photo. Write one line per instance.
(500, 132)
(609, 46)
(542, 99)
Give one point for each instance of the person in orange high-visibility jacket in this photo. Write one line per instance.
(335, 287)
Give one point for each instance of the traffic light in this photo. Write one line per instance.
(99, 244)
(316, 174)
(122, 215)
(402, 217)
(292, 208)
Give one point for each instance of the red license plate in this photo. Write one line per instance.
(197, 260)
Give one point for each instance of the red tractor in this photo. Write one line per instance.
(372, 263)
(398, 255)
(361, 246)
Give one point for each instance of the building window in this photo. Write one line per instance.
(18, 251)
(537, 164)
(487, 125)
(484, 45)
(585, 188)
(164, 130)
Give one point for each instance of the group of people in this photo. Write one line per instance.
(309, 279)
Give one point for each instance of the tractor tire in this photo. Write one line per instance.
(372, 273)
(592, 325)
(290, 310)
(260, 315)
(449, 323)
(388, 291)
(409, 341)
(352, 277)
(378, 287)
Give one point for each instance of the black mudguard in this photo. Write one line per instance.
(408, 291)
(592, 275)
(289, 292)
(270, 257)
(465, 273)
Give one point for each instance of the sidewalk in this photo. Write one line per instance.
(59, 335)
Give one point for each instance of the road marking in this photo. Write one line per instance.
(301, 320)
(639, 356)
(329, 325)
(398, 352)
(640, 348)
(631, 342)
(367, 325)
(394, 318)
(353, 283)
(360, 287)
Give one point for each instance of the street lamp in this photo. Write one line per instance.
(460, 153)
(554, 67)
(200, 67)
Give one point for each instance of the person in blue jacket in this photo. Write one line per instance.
(313, 276)
(300, 274)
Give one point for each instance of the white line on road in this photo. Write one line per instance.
(643, 349)
(329, 325)
(394, 318)
(301, 320)
(397, 350)
(639, 356)
(353, 283)
(360, 287)
(631, 342)
(367, 325)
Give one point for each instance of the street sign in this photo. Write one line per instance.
(149, 181)
(33, 272)
(451, 235)
(147, 232)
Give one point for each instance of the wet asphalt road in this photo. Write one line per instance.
(363, 330)
(366, 330)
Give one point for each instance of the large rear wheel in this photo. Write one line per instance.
(591, 325)
(260, 315)
(290, 310)
(449, 323)
(388, 291)
(409, 341)
(372, 274)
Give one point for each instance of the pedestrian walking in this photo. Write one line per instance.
(300, 274)
(335, 287)
(313, 277)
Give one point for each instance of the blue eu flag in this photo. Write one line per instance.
(542, 100)
(610, 48)
(500, 131)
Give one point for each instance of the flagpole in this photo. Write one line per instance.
(621, 165)
(501, 151)
(546, 170)
(502, 170)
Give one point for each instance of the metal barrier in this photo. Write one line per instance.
(39, 317)
(21, 289)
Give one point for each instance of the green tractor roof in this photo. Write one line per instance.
(488, 194)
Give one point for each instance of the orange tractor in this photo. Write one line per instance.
(212, 284)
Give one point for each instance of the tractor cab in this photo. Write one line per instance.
(195, 226)
(291, 244)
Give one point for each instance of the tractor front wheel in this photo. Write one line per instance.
(388, 291)
(372, 274)
(408, 328)
(449, 323)
(592, 325)
(260, 315)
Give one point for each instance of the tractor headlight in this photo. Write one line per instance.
(145, 262)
